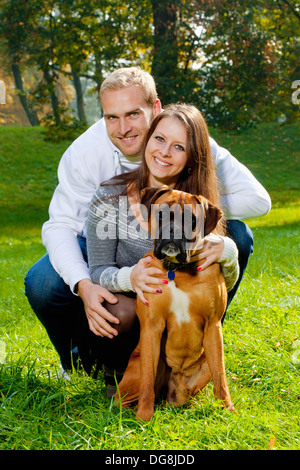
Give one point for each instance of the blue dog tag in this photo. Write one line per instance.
(171, 275)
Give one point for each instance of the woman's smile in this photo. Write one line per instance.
(160, 162)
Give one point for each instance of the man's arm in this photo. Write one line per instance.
(87, 162)
(241, 195)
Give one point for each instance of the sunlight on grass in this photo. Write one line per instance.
(278, 217)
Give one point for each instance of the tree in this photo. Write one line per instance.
(165, 52)
(15, 16)
(176, 45)
(281, 19)
(238, 69)
(237, 64)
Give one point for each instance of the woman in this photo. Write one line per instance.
(176, 153)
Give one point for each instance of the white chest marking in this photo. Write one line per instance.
(180, 304)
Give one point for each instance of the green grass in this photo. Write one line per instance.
(40, 412)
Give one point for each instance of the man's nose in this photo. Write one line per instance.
(124, 126)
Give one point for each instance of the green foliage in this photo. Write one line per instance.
(244, 65)
(67, 130)
(236, 64)
(262, 326)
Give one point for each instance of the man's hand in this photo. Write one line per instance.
(98, 317)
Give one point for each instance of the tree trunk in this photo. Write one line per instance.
(53, 97)
(165, 58)
(32, 116)
(79, 96)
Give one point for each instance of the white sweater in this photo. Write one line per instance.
(92, 159)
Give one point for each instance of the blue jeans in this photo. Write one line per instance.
(243, 237)
(60, 311)
(55, 305)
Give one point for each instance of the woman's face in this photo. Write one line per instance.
(165, 152)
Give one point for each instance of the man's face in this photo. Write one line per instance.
(128, 118)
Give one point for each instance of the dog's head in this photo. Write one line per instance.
(178, 222)
(182, 386)
(186, 383)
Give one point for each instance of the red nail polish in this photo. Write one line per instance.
(159, 291)
(147, 303)
(165, 281)
(199, 268)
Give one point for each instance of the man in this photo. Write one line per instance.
(58, 286)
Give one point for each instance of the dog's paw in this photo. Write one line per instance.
(232, 408)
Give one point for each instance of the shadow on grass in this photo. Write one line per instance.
(25, 387)
(23, 216)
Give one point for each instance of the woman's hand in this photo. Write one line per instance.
(141, 276)
(212, 250)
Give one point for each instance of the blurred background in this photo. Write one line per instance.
(237, 61)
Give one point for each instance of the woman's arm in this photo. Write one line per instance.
(223, 250)
(103, 244)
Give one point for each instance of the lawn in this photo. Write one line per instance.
(261, 331)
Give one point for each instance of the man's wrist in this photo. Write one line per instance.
(80, 285)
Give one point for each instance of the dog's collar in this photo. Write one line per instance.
(172, 267)
(171, 275)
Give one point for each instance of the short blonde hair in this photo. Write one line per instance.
(131, 76)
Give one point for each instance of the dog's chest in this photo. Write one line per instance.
(180, 304)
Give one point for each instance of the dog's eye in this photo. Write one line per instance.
(194, 222)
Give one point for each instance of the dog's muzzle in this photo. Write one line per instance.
(173, 248)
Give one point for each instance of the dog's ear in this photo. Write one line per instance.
(159, 192)
(146, 195)
(212, 216)
(149, 195)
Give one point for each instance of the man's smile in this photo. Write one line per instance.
(128, 139)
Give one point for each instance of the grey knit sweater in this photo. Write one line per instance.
(116, 242)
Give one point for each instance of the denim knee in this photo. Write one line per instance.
(42, 284)
(243, 237)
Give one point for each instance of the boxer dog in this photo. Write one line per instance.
(181, 343)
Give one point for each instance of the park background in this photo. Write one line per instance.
(239, 63)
